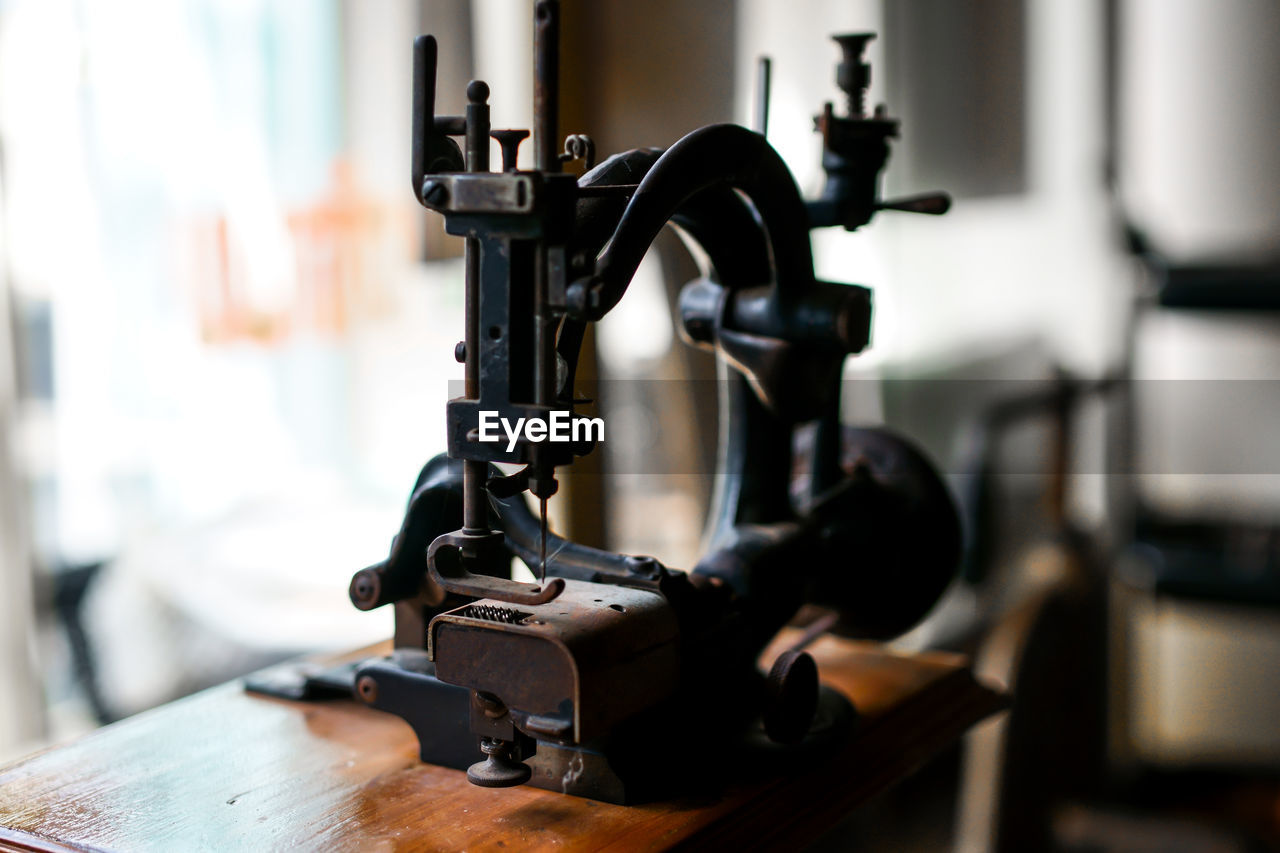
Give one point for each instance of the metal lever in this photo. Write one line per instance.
(432, 150)
(933, 204)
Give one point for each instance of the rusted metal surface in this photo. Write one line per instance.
(487, 193)
(583, 686)
(589, 678)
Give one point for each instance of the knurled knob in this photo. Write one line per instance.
(853, 74)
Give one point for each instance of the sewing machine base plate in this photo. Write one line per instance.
(646, 761)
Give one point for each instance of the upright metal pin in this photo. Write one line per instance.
(542, 540)
(764, 80)
(546, 86)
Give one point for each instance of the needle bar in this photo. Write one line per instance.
(542, 539)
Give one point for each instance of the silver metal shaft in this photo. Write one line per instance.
(542, 540)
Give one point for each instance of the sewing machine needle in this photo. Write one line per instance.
(542, 539)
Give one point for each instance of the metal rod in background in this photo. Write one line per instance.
(764, 80)
(424, 107)
(546, 85)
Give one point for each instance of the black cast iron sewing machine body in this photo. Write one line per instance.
(594, 679)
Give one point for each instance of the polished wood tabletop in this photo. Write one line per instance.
(227, 770)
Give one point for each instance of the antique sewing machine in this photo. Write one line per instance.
(606, 675)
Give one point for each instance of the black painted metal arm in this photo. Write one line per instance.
(723, 155)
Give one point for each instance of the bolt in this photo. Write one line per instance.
(367, 689)
(490, 705)
(434, 193)
(645, 567)
(364, 588)
(460, 352)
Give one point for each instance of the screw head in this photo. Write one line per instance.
(645, 567)
(364, 589)
(367, 689)
(434, 193)
(491, 706)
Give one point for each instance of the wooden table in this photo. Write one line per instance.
(224, 770)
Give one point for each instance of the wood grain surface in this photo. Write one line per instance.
(225, 770)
